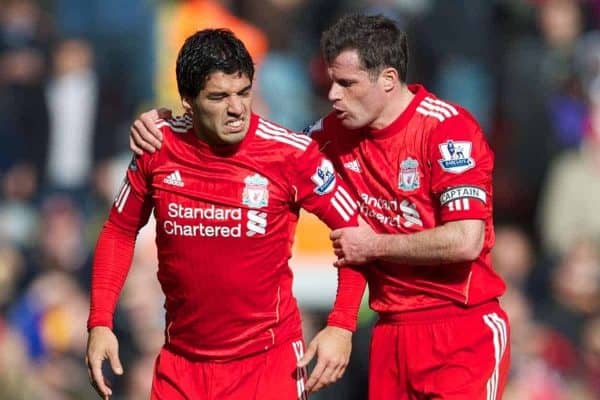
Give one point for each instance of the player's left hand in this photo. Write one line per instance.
(332, 346)
(354, 246)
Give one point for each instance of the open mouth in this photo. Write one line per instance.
(341, 114)
(234, 126)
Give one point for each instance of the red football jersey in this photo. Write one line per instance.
(225, 226)
(430, 166)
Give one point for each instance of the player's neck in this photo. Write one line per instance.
(394, 107)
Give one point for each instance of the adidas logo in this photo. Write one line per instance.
(174, 179)
(353, 166)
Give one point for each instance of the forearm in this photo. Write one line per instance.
(112, 260)
(453, 242)
(351, 286)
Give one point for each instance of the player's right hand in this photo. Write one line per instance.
(144, 135)
(102, 345)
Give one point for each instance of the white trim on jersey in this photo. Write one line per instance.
(459, 205)
(433, 107)
(181, 119)
(343, 204)
(438, 102)
(281, 135)
(436, 108)
(340, 209)
(301, 138)
(500, 340)
(277, 305)
(348, 198)
(281, 139)
(121, 198)
(174, 128)
(177, 124)
(298, 347)
(428, 113)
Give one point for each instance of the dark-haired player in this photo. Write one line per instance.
(225, 189)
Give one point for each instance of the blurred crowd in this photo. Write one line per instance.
(74, 74)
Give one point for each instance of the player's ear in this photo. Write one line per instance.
(389, 78)
(186, 104)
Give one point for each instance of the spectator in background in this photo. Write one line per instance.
(12, 269)
(61, 240)
(575, 292)
(532, 377)
(590, 354)
(537, 72)
(182, 19)
(459, 66)
(50, 316)
(513, 255)
(516, 260)
(25, 37)
(18, 378)
(138, 384)
(568, 210)
(18, 214)
(282, 79)
(72, 96)
(122, 33)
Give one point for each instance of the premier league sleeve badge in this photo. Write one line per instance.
(456, 156)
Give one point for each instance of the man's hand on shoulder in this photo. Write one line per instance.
(144, 136)
(102, 345)
(332, 346)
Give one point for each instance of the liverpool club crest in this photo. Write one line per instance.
(408, 178)
(256, 194)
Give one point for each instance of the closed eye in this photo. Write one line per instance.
(345, 82)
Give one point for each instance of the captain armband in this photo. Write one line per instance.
(460, 198)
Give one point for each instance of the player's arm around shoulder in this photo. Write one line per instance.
(322, 131)
(144, 134)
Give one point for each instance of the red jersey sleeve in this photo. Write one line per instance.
(461, 163)
(320, 190)
(114, 249)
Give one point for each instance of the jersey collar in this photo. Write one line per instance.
(400, 122)
(227, 150)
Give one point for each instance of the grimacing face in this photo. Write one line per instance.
(357, 99)
(221, 111)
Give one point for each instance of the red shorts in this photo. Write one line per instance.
(271, 375)
(449, 353)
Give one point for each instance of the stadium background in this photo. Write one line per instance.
(73, 75)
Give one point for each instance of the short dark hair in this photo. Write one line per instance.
(379, 41)
(208, 51)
